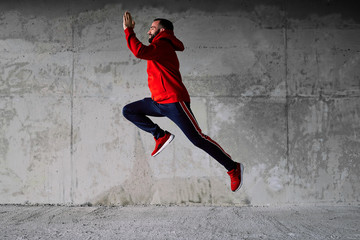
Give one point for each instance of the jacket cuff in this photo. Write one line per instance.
(129, 31)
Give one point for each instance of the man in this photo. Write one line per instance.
(169, 96)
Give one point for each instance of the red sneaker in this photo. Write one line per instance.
(162, 142)
(236, 177)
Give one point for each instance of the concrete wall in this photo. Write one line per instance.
(276, 83)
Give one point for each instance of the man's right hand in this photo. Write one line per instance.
(127, 21)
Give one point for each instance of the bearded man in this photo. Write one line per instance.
(169, 96)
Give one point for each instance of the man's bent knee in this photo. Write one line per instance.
(126, 111)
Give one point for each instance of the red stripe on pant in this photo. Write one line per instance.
(195, 124)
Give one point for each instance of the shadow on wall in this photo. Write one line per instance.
(143, 188)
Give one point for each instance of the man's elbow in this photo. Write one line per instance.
(138, 55)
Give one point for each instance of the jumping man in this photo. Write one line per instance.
(169, 96)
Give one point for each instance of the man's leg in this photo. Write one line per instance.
(137, 112)
(181, 114)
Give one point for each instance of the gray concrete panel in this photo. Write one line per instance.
(324, 149)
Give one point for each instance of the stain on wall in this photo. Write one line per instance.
(276, 84)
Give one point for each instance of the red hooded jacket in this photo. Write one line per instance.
(164, 78)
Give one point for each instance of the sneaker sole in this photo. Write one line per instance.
(241, 177)
(165, 144)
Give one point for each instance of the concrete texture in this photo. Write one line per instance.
(176, 222)
(276, 84)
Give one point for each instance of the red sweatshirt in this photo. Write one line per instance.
(164, 78)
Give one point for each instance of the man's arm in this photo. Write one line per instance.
(140, 50)
(136, 47)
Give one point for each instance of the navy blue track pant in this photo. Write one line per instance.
(181, 114)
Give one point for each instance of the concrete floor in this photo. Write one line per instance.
(179, 222)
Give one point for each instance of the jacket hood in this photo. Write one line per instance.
(169, 35)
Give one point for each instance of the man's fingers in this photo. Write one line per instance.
(127, 20)
(126, 14)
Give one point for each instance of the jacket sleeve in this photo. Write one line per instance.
(140, 50)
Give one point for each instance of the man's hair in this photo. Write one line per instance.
(165, 23)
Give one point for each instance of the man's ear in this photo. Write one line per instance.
(162, 29)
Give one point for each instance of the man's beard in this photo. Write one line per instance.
(154, 35)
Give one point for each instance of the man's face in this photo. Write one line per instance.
(154, 30)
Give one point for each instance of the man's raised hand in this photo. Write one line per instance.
(127, 21)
